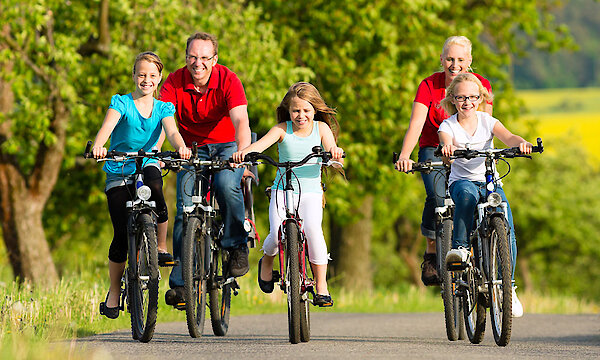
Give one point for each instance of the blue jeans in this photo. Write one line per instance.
(228, 191)
(435, 187)
(465, 195)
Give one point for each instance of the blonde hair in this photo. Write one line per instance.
(457, 40)
(447, 103)
(152, 58)
(308, 92)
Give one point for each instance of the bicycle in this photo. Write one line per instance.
(139, 284)
(455, 328)
(486, 279)
(293, 248)
(204, 261)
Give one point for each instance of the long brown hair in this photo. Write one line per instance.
(308, 92)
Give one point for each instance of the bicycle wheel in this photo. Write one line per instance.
(451, 303)
(194, 279)
(292, 277)
(142, 277)
(473, 307)
(304, 303)
(500, 283)
(219, 295)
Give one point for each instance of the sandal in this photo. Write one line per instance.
(267, 286)
(165, 259)
(323, 300)
(111, 313)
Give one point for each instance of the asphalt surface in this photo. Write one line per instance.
(356, 336)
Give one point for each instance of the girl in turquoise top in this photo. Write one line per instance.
(304, 121)
(135, 122)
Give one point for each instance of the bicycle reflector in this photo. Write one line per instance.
(144, 192)
(494, 199)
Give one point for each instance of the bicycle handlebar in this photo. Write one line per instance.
(317, 151)
(115, 155)
(495, 153)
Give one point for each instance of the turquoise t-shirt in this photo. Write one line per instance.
(133, 133)
(295, 148)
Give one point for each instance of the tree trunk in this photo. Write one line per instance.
(351, 249)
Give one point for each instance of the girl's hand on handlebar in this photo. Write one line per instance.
(336, 153)
(185, 152)
(448, 150)
(238, 156)
(99, 152)
(404, 164)
(526, 147)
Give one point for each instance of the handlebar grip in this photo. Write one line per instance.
(540, 147)
(194, 149)
(395, 157)
(438, 151)
(88, 147)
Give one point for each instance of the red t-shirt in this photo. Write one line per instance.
(430, 92)
(204, 118)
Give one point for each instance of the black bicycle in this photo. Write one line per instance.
(139, 285)
(455, 327)
(486, 279)
(204, 261)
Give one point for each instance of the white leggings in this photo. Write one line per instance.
(311, 213)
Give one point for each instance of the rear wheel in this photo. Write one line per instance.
(142, 277)
(219, 295)
(473, 307)
(292, 277)
(451, 304)
(194, 277)
(500, 282)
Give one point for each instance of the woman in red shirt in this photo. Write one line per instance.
(426, 117)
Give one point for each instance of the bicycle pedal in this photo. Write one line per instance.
(457, 266)
(179, 306)
(170, 263)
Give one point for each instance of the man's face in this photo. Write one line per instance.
(200, 60)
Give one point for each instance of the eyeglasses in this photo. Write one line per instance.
(203, 59)
(462, 98)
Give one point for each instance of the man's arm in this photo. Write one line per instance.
(239, 118)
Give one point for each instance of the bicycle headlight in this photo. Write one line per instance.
(494, 199)
(144, 192)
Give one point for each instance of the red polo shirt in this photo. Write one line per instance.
(204, 118)
(430, 92)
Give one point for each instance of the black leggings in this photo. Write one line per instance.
(117, 198)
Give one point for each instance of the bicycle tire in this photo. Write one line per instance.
(304, 302)
(451, 305)
(194, 279)
(500, 283)
(143, 276)
(473, 308)
(292, 270)
(219, 295)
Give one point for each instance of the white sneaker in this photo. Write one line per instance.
(517, 307)
(457, 255)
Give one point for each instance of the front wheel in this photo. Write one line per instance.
(194, 278)
(292, 276)
(219, 294)
(454, 322)
(142, 275)
(500, 284)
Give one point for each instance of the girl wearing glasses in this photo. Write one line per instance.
(426, 117)
(469, 127)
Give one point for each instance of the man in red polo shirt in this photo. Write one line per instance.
(211, 110)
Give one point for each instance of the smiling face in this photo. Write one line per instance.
(200, 60)
(146, 77)
(455, 60)
(302, 114)
(465, 91)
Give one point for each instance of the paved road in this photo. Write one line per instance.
(359, 336)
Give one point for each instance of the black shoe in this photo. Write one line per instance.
(165, 259)
(174, 297)
(238, 261)
(266, 286)
(111, 313)
(429, 273)
(323, 300)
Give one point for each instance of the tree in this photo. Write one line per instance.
(369, 57)
(64, 70)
